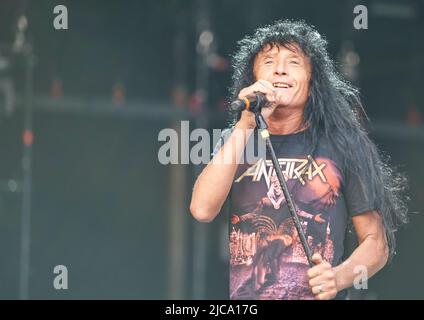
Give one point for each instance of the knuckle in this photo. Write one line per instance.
(320, 269)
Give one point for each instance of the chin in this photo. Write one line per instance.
(283, 105)
(284, 102)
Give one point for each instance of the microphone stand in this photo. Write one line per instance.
(263, 129)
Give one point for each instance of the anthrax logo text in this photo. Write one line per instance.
(291, 168)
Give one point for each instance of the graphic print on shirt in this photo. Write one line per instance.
(267, 260)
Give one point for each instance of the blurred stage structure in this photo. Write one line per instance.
(80, 183)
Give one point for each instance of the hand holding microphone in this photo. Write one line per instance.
(258, 96)
(253, 103)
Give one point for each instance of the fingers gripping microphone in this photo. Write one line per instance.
(253, 102)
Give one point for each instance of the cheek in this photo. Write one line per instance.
(305, 80)
(259, 72)
(262, 74)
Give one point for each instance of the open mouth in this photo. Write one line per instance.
(282, 85)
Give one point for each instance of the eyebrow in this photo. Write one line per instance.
(269, 55)
(290, 56)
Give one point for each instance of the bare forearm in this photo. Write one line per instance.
(214, 183)
(371, 255)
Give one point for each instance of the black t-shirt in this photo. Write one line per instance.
(267, 260)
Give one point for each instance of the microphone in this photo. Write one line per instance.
(253, 102)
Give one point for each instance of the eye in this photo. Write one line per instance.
(268, 62)
(294, 62)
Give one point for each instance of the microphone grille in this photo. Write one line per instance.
(237, 105)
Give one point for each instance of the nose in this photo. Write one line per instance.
(280, 68)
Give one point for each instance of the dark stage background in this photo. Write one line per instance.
(102, 204)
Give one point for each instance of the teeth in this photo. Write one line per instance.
(281, 85)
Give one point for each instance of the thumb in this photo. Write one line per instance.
(317, 259)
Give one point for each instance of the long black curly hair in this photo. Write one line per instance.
(333, 111)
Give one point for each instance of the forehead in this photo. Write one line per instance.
(278, 50)
(274, 49)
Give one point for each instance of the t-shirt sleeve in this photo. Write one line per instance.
(224, 136)
(357, 194)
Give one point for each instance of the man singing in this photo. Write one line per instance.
(333, 170)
